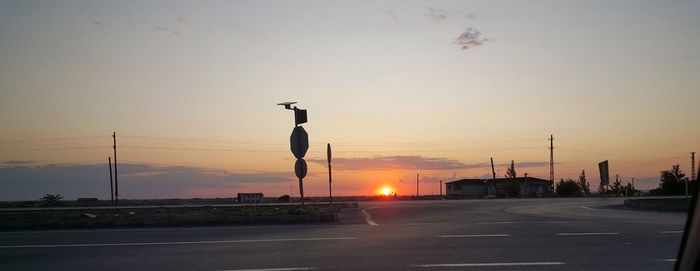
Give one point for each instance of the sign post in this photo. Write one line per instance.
(299, 144)
(604, 174)
(330, 177)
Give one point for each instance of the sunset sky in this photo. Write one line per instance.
(397, 88)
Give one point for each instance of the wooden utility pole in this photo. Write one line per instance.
(441, 188)
(116, 176)
(111, 185)
(493, 170)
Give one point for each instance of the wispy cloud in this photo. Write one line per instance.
(99, 23)
(17, 162)
(163, 28)
(470, 38)
(183, 19)
(396, 162)
(437, 14)
(392, 14)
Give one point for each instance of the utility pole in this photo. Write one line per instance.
(441, 188)
(551, 160)
(330, 178)
(111, 184)
(692, 166)
(417, 175)
(116, 176)
(692, 174)
(493, 171)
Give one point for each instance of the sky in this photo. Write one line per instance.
(396, 87)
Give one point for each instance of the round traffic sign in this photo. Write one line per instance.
(300, 168)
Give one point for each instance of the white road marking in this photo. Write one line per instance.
(536, 222)
(167, 229)
(368, 217)
(473, 235)
(668, 232)
(668, 260)
(586, 233)
(272, 269)
(180, 243)
(489, 264)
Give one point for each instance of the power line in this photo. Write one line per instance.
(604, 153)
(198, 167)
(53, 138)
(651, 163)
(56, 148)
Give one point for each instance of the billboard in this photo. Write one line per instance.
(604, 174)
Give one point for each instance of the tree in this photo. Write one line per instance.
(512, 187)
(568, 188)
(583, 183)
(672, 182)
(510, 172)
(51, 200)
(616, 187)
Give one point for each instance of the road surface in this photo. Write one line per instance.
(500, 234)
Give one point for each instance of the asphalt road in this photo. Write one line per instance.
(503, 234)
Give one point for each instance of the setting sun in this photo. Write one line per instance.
(386, 191)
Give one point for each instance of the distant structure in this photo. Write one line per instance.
(479, 188)
(250, 198)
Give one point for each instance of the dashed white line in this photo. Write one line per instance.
(489, 264)
(668, 260)
(671, 232)
(180, 243)
(586, 233)
(273, 269)
(473, 235)
(368, 217)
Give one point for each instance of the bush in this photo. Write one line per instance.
(568, 188)
(512, 189)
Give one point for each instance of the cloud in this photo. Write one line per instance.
(437, 14)
(98, 23)
(396, 162)
(161, 28)
(392, 15)
(17, 162)
(184, 19)
(135, 181)
(470, 38)
(524, 164)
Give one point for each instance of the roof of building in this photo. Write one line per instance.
(517, 179)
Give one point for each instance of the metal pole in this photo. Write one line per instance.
(116, 176)
(111, 184)
(330, 181)
(551, 160)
